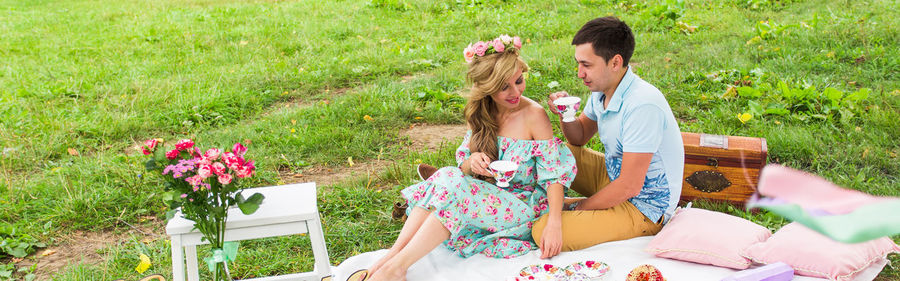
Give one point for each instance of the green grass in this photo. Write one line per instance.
(297, 78)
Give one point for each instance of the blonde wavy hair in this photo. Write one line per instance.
(487, 75)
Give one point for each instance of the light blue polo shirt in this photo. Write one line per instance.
(639, 119)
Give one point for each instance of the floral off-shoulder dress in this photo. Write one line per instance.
(487, 219)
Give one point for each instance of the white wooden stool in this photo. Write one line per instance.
(286, 210)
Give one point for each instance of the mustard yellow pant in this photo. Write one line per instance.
(582, 229)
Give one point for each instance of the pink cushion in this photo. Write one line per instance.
(813, 254)
(707, 237)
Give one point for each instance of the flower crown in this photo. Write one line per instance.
(498, 45)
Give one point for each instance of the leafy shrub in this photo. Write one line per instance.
(764, 4)
(397, 5)
(16, 244)
(766, 94)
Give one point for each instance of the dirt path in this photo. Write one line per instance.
(81, 247)
(423, 137)
(430, 137)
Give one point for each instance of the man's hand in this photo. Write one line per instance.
(551, 240)
(552, 98)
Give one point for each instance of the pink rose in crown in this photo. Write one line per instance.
(469, 53)
(480, 48)
(498, 45)
(517, 42)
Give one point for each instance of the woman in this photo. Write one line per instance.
(456, 206)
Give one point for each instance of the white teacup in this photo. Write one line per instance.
(504, 171)
(567, 106)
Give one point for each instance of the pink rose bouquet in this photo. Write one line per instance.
(203, 186)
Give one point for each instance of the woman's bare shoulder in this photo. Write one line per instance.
(538, 121)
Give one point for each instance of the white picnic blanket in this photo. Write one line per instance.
(622, 256)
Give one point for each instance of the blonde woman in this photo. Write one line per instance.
(460, 207)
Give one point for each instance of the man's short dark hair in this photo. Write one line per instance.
(609, 36)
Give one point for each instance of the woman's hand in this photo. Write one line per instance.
(551, 240)
(478, 164)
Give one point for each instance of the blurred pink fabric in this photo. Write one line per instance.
(811, 191)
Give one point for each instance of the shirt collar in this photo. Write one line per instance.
(621, 90)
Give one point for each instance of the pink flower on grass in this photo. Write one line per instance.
(517, 42)
(172, 154)
(149, 146)
(184, 144)
(498, 45)
(480, 48)
(225, 179)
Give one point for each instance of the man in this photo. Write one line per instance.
(634, 188)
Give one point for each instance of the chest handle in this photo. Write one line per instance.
(712, 161)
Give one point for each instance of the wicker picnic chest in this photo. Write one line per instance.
(721, 168)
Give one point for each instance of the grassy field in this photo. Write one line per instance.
(311, 84)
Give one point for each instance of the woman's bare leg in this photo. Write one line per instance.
(416, 217)
(429, 236)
